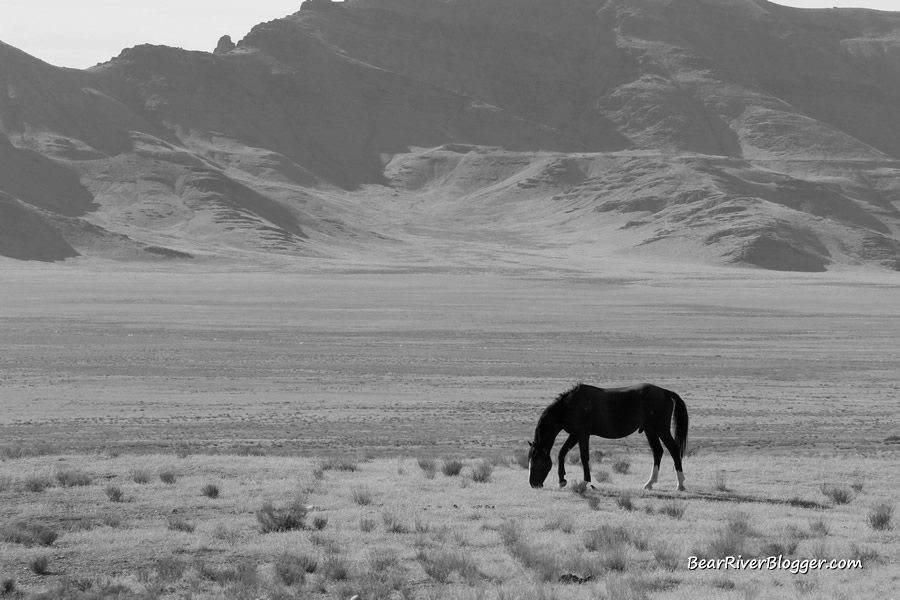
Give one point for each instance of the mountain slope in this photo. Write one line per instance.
(719, 131)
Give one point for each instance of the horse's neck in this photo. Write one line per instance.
(548, 428)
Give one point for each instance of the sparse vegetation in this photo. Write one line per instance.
(579, 488)
(167, 476)
(441, 564)
(879, 517)
(625, 501)
(210, 490)
(286, 518)
(721, 482)
(72, 478)
(547, 542)
(114, 493)
(428, 466)
(621, 465)
(839, 494)
(292, 569)
(7, 586)
(730, 540)
(818, 526)
(520, 457)
(176, 523)
(481, 471)
(451, 467)
(601, 476)
(27, 534)
(392, 524)
(335, 568)
(366, 525)
(40, 565)
(141, 476)
(362, 495)
(344, 464)
(36, 483)
(673, 508)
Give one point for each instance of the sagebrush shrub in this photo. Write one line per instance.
(880, 516)
(288, 518)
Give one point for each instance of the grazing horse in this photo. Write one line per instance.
(614, 413)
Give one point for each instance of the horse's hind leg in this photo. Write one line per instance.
(657, 458)
(567, 445)
(675, 452)
(584, 448)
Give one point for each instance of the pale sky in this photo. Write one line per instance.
(82, 33)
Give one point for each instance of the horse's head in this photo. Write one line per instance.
(539, 465)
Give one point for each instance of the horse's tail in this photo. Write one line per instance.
(681, 422)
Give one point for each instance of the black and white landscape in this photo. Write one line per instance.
(278, 320)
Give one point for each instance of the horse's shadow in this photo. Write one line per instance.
(710, 496)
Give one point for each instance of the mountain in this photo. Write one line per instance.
(406, 132)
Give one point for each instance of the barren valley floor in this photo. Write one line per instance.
(397, 362)
(143, 413)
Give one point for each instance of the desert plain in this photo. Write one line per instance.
(328, 385)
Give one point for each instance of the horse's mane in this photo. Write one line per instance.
(566, 393)
(552, 410)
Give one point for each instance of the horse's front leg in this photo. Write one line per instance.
(584, 447)
(567, 445)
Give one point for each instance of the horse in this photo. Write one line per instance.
(585, 410)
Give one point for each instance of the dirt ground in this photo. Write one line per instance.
(462, 362)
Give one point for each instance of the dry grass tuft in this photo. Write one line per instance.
(839, 494)
(451, 467)
(730, 540)
(481, 472)
(601, 476)
(210, 490)
(621, 465)
(625, 501)
(7, 586)
(673, 508)
(545, 564)
(520, 457)
(366, 525)
(141, 476)
(114, 493)
(339, 464)
(180, 524)
(819, 526)
(36, 483)
(291, 569)
(392, 524)
(362, 495)
(441, 564)
(72, 478)
(579, 488)
(879, 517)
(167, 476)
(40, 565)
(428, 466)
(288, 518)
(27, 534)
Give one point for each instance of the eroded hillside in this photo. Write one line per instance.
(714, 131)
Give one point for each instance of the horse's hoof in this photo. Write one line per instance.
(680, 488)
(648, 486)
(563, 483)
(592, 487)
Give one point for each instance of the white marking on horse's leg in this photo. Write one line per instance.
(654, 475)
(680, 476)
